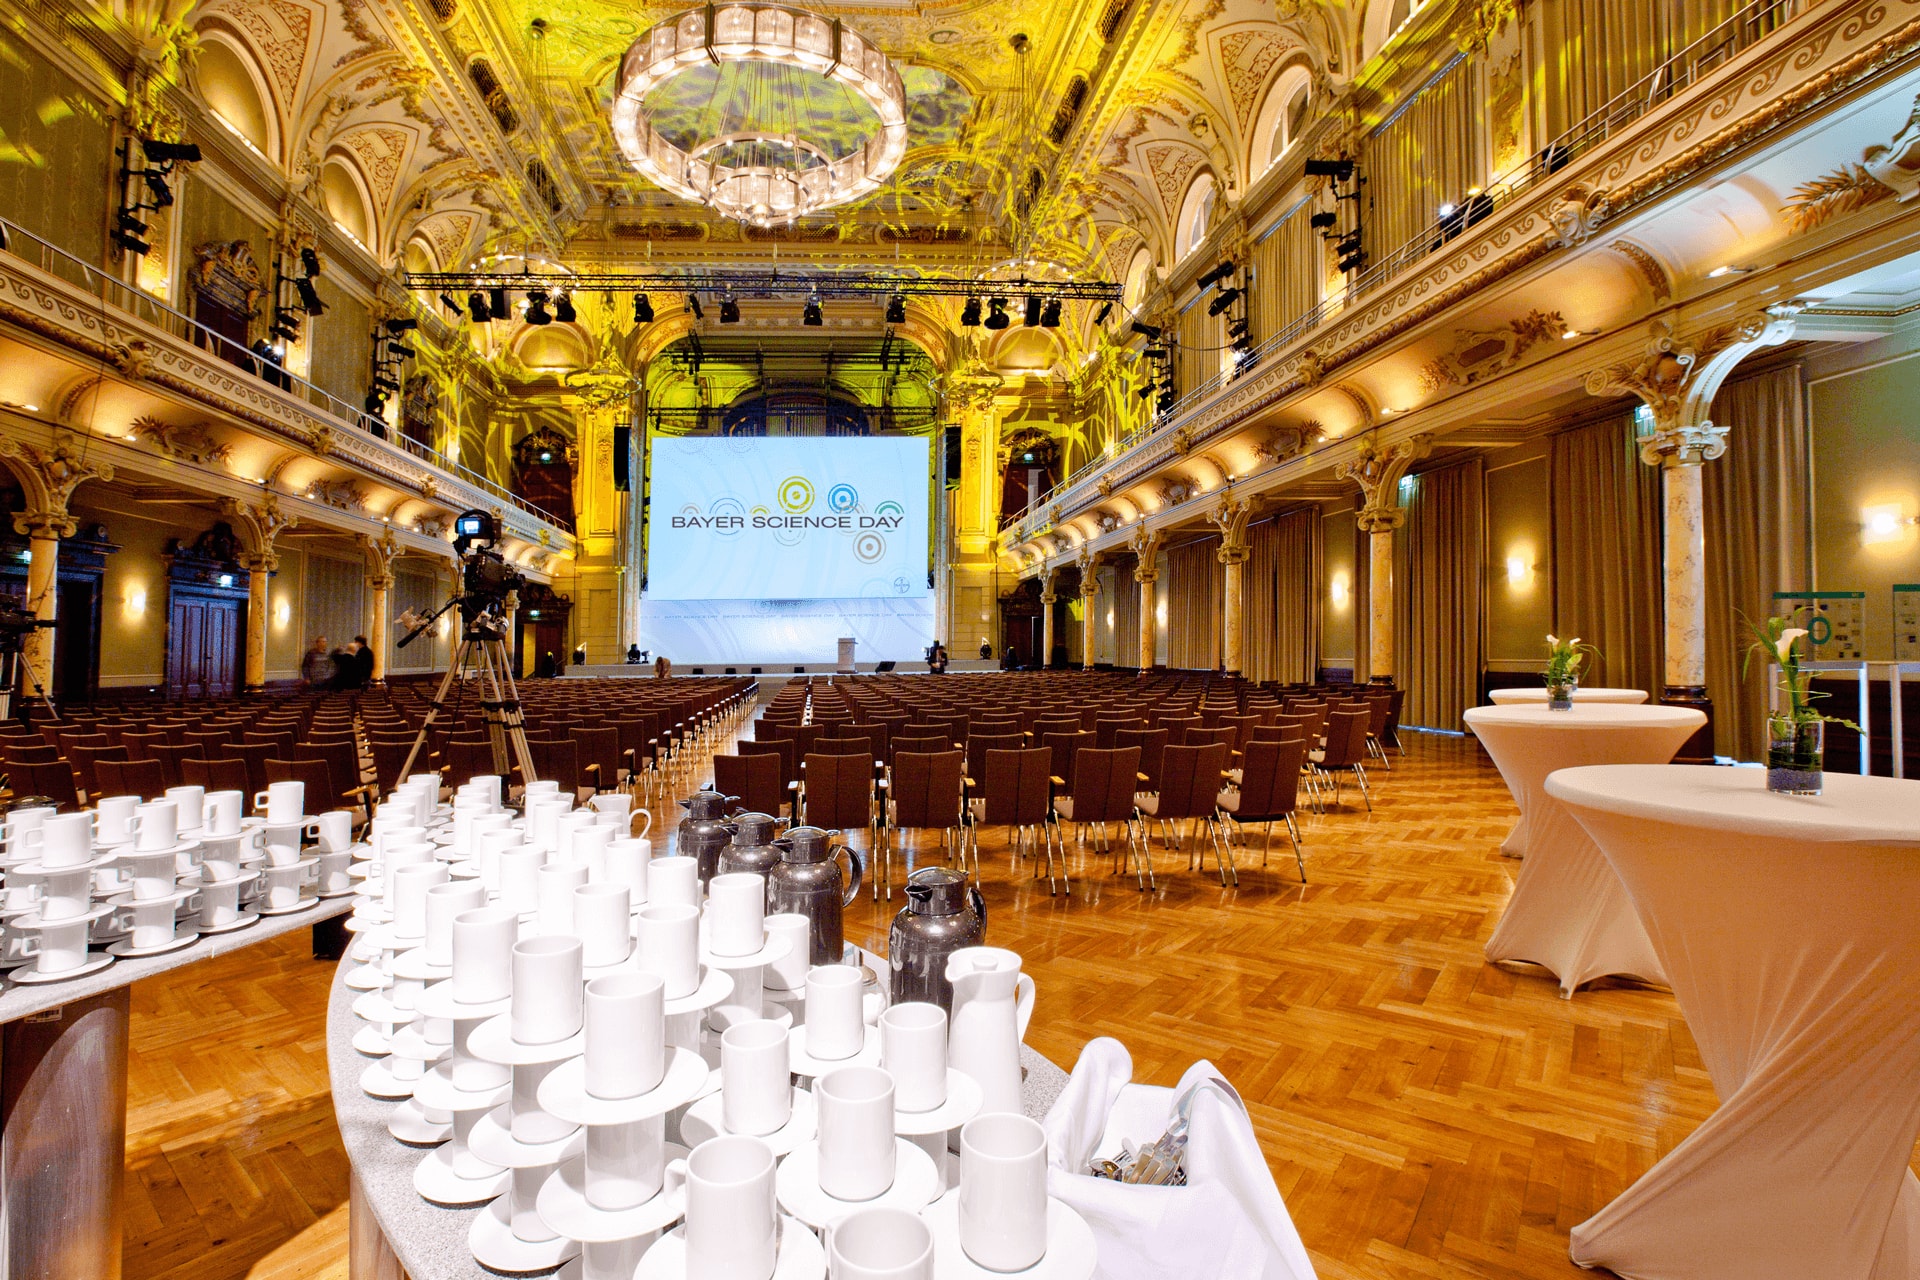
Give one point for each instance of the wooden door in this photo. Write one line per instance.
(222, 652)
(203, 646)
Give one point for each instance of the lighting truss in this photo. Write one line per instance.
(877, 286)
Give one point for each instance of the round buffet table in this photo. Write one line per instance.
(1507, 697)
(392, 1227)
(1568, 912)
(1789, 927)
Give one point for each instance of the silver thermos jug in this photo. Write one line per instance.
(807, 879)
(943, 914)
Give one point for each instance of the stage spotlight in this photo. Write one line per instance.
(477, 308)
(1323, 221)
(169, 152)
(446, 300)
(563, 309)
(1033, 311)
(1224, 299)
(1353, 261)
(1106, 309)
(309, 297)
(127, 232)
(810, 314)
(1146, 330)
(310, 262)
(1338, 170)
(401, 350)
(997, 313)
(402, 324)
(970, 313)
(1155, 353)
(1050, 314)
(375, 404)
(537, 307)
(693, 305)
(729, 311)
(642, 309)
(157, 187)
(1215, 276)
(1145, 391)
(896, 310)
(497, 303)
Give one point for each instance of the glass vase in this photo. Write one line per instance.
(1560, 691)
(1795, 751)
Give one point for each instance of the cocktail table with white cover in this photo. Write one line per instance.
(1506, 697)
(1568, 911)
(1789, 927)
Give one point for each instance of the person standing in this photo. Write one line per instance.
(937, 661)
(363, 663)
(345, 664)
(316, 665)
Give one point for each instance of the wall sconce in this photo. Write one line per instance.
(1160, 613)
(1883, 524)
(442, 630)
(1338, 589)
(136, 601)
(1519, 571)
(282, 613)
(1109, 617)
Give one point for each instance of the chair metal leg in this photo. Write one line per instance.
(1144, 873)
(1360, 776)
(1222, 854)
(1293, 833)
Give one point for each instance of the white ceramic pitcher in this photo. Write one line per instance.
(992, 1004)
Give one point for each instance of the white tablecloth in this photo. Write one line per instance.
(1507, 697)
(1789, 927)
(1568, 911)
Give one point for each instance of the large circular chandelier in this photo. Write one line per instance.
(779, 176)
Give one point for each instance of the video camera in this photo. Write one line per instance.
(486, 577)
(15, 623)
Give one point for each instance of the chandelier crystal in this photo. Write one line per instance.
(783, 176)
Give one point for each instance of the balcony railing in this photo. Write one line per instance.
(1673, 76)
(142, 306)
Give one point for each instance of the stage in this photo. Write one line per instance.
(770, 676)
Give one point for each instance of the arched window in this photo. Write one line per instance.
(1196, 215)
(1384, 18)
(1283, 117)
(1139, 279)
(234, 89)
(347, 200)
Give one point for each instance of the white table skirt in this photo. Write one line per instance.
(1569, 912)
(1507, 697)
(1789, 928)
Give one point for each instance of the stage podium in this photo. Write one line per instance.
(846, 654)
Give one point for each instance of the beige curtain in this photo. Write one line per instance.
(1427, 153)
(1286, 274)
(1595, 50)
(1126, 613)
(1758, 535)
(1193, 605)
(1606, 552)
(1200, 337)
(1439, 558)
(1283, 597)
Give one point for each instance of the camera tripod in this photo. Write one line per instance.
(485, 646)
(13, 665)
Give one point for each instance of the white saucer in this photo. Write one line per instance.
(329, 897)
(414, 964)
(436, 1089)
(32, 919)
(375, 1007)
(378, 1081)
(305, 904)
(437, 1183)
(368, 977)
(33, 977)
(703, 1121)
(184, 846)
(127, 951)
(239, 878)
(494, 1142)
(715, 985)
(563, 1205)
(240, 921)
(437, 1002)
(493, 1040)
(963, 1103)
(409, 1124)
(496, 1248)
(372, 1042)
(772, 949)
(803, 1063)
(797, 1183)
(1071, 1252)
(800, 1257)
(564, 1092)
(35, 870)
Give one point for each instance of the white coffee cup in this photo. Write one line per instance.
(670, 947)
(23, 830)
(149, 924)
(625, 1165)
(564, 830)
(445, 902)
(788, 970)
(544, 787)
(283, 842)
(590, 850)
(520, 877)
(627, 864)
(151, 875)
(856, 1132)
(156, 826)
(334, 873)
(191, 801)
(221, 812)
(1003, 1191)
(603, 920)
(880, 1244)
(398, 856)
(113, 819)
(615, 802)
(626, 1035)
(835, 1027)
(61, 947)
(736, 909)
(66, 894)
(483, 954)
(730, 1229)
(333, 830)
(283, 885)
(546, 1004)
(219, 904)
(284, 803)
(555, 884)
(66, 840)
(543, 820)
(410, 885)
(755, 1095)
(673, 882)
(491, 845)
(913, 1049)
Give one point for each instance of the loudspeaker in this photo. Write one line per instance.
(952, 444)
(622, 457)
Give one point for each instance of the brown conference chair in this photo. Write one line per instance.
(1345, 752)
(1064, 746)
(837, 794)
(1102, 794)
(753, 779)
(53, 779)
(1016, 791)
(925, 795)
(1269, 790)
(978, 744)
(143, 778)
(599, 752)
(1189, 781)
(215, 775)
(1153, 745)
(83, 758)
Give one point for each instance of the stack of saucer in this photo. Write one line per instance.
(463, 1086)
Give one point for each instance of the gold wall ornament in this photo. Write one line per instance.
(189, 443)
(1479, 354)
(258, 525)
(1677, 380)
(1577, 216)
(1651, 269)
(343, 495)
(1834, 194)
(48, 476)
(1481, 21)
(1378, 469)
(1145, 545)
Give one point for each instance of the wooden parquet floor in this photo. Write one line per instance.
(1426, 1114)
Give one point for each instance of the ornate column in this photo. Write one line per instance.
(1677, 381)
(1048, 599)
(1146, 545)
(48, 476)
(1231, 517)
(257, 524)
(380, 553)
(1089, 603)
(1378, 469)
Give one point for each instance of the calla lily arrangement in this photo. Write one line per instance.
(1565, 658)
(1776, 639)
